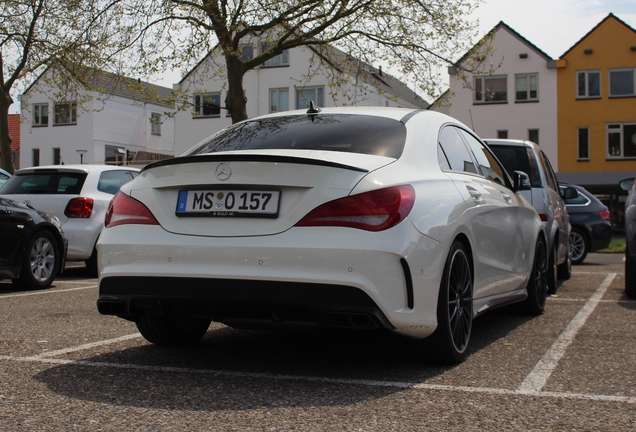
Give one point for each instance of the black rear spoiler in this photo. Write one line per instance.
(211, 157)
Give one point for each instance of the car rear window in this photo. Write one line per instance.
(52, 183)
(518, 158)
(343, 133)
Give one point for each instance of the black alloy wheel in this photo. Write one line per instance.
(553, 269)
(537, 286)
(565, 269)
(630, 275)
(449, 343)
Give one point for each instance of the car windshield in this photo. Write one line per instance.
(518, 158)
(364, 134)
(45, 183)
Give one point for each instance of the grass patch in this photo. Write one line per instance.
(615, 246)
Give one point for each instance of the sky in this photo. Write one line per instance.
(554, 26)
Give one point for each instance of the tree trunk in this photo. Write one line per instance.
(236, 101)
(5, 139)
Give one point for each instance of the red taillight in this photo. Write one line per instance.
(79, 208)
(127, 210)
(544, 217)
(372, 211)
(605, 214)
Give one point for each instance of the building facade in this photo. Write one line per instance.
(597, 112)
(512, 94)
(284, 83)
(120, 124)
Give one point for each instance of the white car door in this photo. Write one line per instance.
(500, 236)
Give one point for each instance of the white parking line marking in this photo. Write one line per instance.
(361, 382)
(47, 292)
(88, 345)
(535, 381)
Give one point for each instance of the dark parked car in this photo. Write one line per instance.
(590, 220)
(630, 237)
(4, 176)
(545, 197)
(33, 245)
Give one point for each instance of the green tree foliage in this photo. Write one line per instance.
(412, 38)
(37, 34)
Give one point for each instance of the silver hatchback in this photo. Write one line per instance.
(545, 197)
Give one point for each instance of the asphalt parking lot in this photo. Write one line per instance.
(65, 367)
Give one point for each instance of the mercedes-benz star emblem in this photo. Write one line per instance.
(223, 172)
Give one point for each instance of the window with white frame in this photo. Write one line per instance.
(65, 113)
(588, 84)
(583, 137)
(621, 140)
(621, 82)
(527, 87)
(278, 100)
(491, 89)
(155, 124)
(306, 94)
(40, 114)
(280, 60)
(207, 105)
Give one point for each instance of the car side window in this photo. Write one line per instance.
(550, 172)
(455, 151)
(111, 181)
(488, 164)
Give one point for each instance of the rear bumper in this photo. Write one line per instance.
(233, 301)
(334, 277)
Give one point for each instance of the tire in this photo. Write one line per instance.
(172, 331)
(552, 270)
(91, 264)
(41, 262)
(449, 343)
(537, 286)
(579, 245)
(565, 270)
(630, 275)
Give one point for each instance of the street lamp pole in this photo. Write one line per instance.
(81, 153)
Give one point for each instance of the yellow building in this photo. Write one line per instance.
(596, 97)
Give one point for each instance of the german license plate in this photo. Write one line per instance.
(228, 203)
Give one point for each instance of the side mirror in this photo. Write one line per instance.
(627, 184)
(569, 193)
(521, 181)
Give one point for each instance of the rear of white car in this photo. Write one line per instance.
(77, 194)
(344, 218)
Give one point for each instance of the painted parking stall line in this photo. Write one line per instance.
(89, 345)
(537, 379)
(54, 291)
(326, 380)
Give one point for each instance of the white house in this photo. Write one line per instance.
(119, 124)
(513, 94)
(286, 82)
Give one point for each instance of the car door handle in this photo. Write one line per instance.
(474, 193)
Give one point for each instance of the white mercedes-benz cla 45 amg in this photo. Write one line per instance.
(361, 218)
